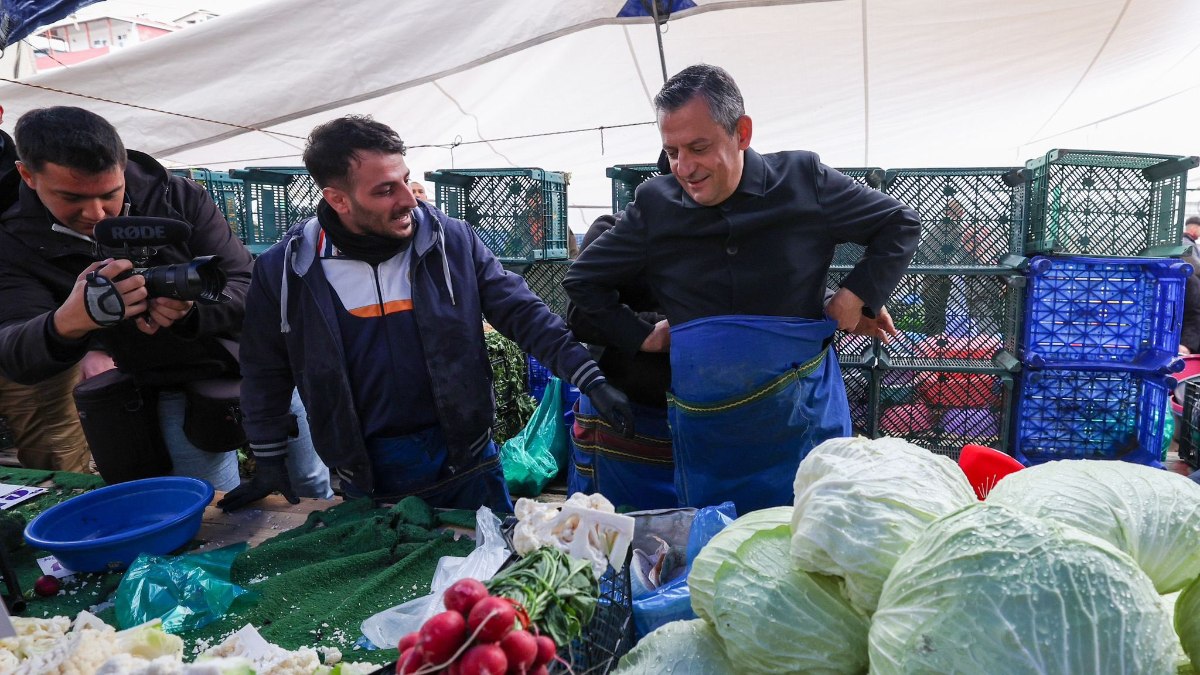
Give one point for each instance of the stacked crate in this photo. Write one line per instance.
(520, 214)
(227, 192)
(1103, 306)
(946, 379)
(275, 199)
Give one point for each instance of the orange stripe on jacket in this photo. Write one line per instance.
(388, 308)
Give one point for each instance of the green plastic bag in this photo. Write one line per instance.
(185, 591)
(532, 458)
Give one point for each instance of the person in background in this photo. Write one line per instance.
(373, 309)
(418, 190)
(736, 246)
(66, 306)
(637, 472)
(1191, 233)
(8, 149)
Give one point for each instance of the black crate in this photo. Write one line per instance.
(276, 198)
(943, 409)
(862, 393)
(520, 214)
(847, 255)
(946, 320)
(1189, 429)
(1088, 202)
(609, 635)
(625, 179)
(545, 280)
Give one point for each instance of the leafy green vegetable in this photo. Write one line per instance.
(775, 618)
(702, 578)
(514, 406)
(558, 592)
(992, 590)
(1187, 622)
(678, 648)
(1150, 514)
(860, 503)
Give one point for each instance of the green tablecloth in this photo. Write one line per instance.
(313, 585)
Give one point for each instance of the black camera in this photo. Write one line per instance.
(138, 238)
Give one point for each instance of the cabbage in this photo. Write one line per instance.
(1151, 514)
(1187, 622)
(775, 618)
(677, 648)
(701, 580)
(1183, 665)
(992, 590)
(860, 503)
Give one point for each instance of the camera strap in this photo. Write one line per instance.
(102, 301)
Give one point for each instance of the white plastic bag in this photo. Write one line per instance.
(387, 627)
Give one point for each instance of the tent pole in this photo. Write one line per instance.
(662, 58)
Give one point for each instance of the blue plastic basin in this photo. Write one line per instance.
(106, 529)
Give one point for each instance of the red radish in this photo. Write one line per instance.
(495, 615)
(521, 648)
(539, 670)
(47, 585)
(546, 651)
(409, 640)
(454, 669)
(463, 594)
(441, 636)
(409, 662)
(483, 660)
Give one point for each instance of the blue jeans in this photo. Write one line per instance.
(309, 475)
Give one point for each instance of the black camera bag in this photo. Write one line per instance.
(213, 417)
(120, 421)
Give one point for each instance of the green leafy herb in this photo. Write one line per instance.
(558, 592)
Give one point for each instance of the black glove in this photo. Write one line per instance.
(270, 475)
(613, 406)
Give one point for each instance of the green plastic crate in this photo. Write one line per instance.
(625, 179)
(1089, 202)
(276, 198)
(971, 218)
(520, 214)
(545, 280)
(227, 192)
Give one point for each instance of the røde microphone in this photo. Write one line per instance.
(140, 231)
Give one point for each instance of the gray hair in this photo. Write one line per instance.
(714, 84)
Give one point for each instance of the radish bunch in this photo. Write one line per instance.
(478, 634)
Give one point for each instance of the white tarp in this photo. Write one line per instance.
(884, 83)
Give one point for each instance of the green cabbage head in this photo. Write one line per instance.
(860, 503)
(678, 648)
(992, 590)
(1151, 514)
(702, 578)
(1187, 622)
(775, 618)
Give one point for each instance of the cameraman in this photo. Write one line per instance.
(73, 172)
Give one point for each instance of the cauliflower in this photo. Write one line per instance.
(79, 652)
(128, 664)
(586, 527)
(263, 656)
(33, 636)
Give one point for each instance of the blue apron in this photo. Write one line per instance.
(633, 472)
(751, 395)
(412, 465)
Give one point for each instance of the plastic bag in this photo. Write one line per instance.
(186, 591)
(672, 601)
(385, 628)
(532, 458)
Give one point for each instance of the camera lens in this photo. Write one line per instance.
(199, 279)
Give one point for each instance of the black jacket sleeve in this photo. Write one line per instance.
(1190, 335)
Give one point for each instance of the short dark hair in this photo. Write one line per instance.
(1193, 220)
(70, 137)
(333, 145)
(714, 84)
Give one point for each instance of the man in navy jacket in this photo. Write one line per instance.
(373, 309)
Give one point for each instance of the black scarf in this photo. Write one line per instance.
(370, 248)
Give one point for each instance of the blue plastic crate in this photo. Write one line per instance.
(1098, 313)
(1090, 414)
(539, 376)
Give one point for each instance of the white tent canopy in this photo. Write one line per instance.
(891, 84)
